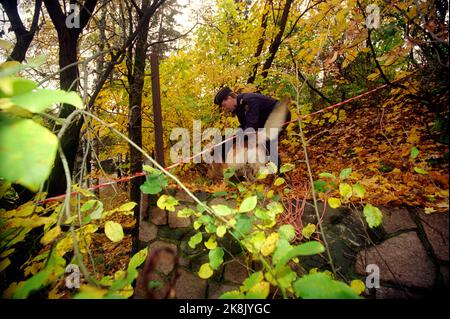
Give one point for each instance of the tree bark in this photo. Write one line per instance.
(69, 78)
(23, 36)
(157, 114)
(274, 46)
(260, 46)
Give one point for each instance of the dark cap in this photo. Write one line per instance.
(222, 95)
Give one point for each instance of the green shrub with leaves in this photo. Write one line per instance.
(27, 151)
(254, 225)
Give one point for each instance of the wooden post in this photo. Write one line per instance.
(156, 97)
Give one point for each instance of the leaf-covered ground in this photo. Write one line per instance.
(376, 143)
(376, 140)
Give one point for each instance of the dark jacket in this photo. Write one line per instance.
(253, 109)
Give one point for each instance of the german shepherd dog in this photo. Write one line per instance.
(248, 155)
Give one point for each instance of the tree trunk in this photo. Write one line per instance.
(135, 124)
(157, 116)
(68, 49)
(260, 46)
(23, 36)
(278, 39)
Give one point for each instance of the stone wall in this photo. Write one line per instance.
(411, 250)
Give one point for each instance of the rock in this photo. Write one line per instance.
(222, 201)
(159, 282)
(178, 222)
(147, 232)
(158, 216)
(189, 286)
(236, 270)
(395, 293)
(182, 196)
(165, 260)
(395, 219)
(172, 233)
(215, 289)
(436, 228)
(445, 275)
(405, 257)
(202, 196)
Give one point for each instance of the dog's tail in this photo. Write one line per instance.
(276, 119)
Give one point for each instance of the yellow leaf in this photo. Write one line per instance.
(269, 244)
(113, 231)
(211, 243)
(127, 207)
(4, 263)
(205, 271)
(221, 230)
(279, 181)
(6, 253)
(51, 235)
(334, 202)
(357, 286)
(308, 230)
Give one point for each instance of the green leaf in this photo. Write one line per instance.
(286, 168)
(320, 186)
(252, 280)
(282, 249)
(34, 283)
(38, 101)
(275, 208)
(334, 202)
(327, 175)
(306, 249)
(27, 151)
(420, 170)
(11, 86)
(255, 241)
(414, 152)
(113, 231)
(259, 291)
(287, 232)
(228, 172)
(167, 202)
(373, 215)
(234, 294)
(195, 240)
(243, 225)
(98, 208)
(345, 190)
(222, 210)
(285, 276)
(345, 173)
(216, 257)
(308, 230)
(155, 182)
(205, 271)
(219, 194)
(138, 259)
(321, 286)
(185, 212)
(359, 190)
(248, 204)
